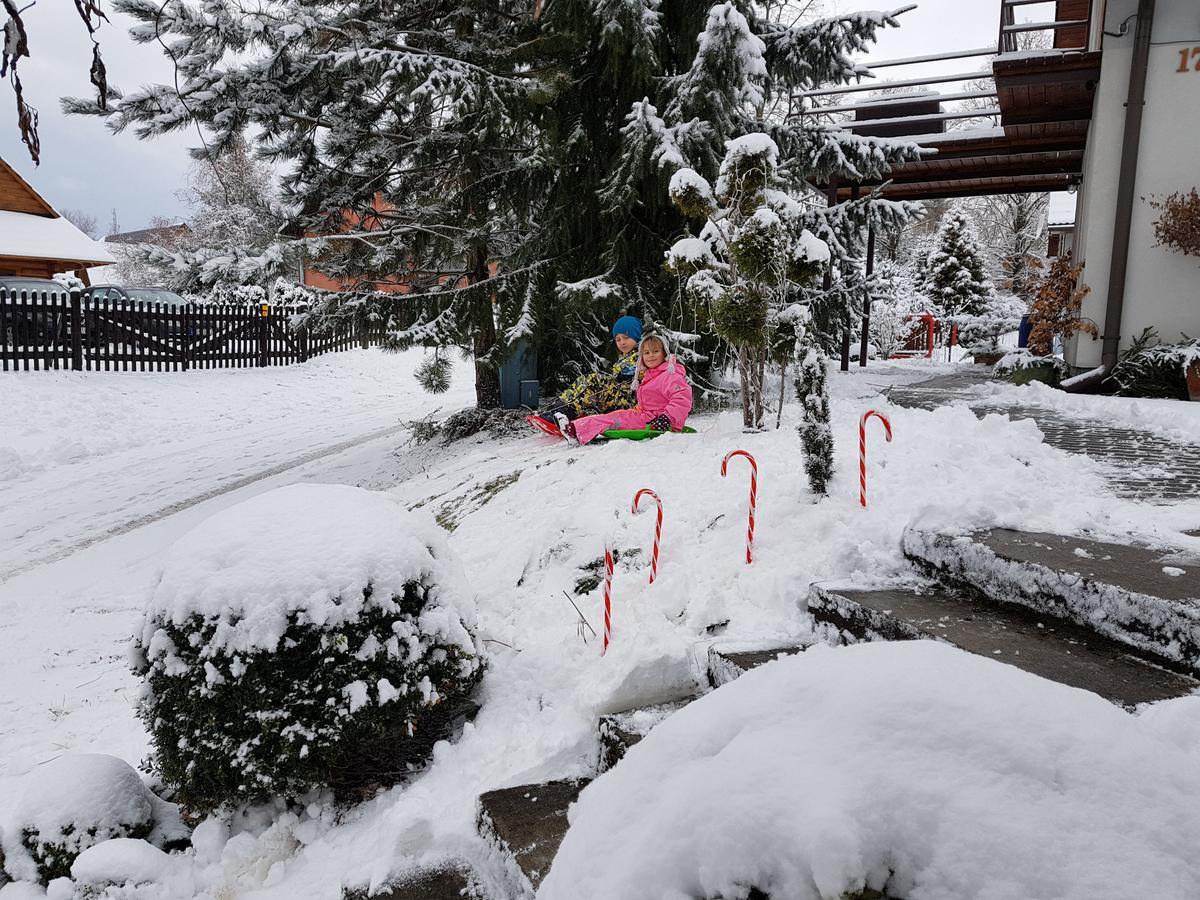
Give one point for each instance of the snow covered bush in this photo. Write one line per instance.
(902, 769)
(1022, 367)
(1000, 315)
(327, 657)
(74, 803)
(1149, 368)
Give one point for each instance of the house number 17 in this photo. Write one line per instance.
(1186, 55)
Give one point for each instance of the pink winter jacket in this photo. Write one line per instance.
(663, 390)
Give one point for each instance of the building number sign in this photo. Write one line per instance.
(1189, 55)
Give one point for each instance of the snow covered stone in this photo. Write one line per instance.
(910, 768)
(299, 640)
(69, 805)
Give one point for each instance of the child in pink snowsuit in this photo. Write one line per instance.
(664, 397)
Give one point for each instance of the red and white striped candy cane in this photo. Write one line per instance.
(646, 492)
(753, 495)
(862, 450)
(608, 579)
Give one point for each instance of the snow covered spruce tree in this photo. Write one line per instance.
(332, 659)
(955, 278)
(753, 254)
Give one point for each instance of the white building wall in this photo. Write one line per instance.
(1162, 286)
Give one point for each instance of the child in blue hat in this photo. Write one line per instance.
(603, 392)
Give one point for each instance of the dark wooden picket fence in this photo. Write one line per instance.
(43, 330)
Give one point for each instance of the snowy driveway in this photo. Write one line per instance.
(88, 455)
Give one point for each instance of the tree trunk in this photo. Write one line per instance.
(743, 366)
(483, 322)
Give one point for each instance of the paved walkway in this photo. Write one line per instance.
(1143, 465)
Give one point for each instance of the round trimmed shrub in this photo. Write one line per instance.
(740, 316)
(327, 655)
(69, 805)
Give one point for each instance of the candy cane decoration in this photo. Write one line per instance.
(646, 492)
(862, 450)
(753, 496)
(608, 578)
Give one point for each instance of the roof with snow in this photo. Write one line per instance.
(30, 228)
(156, 235)
(42, 237)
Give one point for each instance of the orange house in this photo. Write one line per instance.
(352, 222)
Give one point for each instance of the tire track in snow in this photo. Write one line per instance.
(217, 491)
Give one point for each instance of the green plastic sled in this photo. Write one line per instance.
(639, 434)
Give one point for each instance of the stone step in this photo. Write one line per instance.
(526, 825)
(1145, 598)
(724, 665)
(1043, 645)
(453, 881)
(620, 731)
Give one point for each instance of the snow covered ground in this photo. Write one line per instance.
(528, 515)
(85, 454)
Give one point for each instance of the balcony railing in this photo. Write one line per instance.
(1070, 28)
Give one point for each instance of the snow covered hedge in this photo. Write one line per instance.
(76, 802)
(320, 657)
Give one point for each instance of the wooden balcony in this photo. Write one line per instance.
(1031, 120)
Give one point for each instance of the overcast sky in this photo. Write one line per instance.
(85, 166)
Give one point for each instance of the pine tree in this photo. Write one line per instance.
(955, 270)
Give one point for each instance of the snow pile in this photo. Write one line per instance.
(912, 767)
(69, 805)
(121, 861)
(1169, 418)
(304, 551)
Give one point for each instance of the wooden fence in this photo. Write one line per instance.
(42, 330)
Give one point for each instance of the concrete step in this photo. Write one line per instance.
(620, 731)
(1145, 598)
(1052, 648)
(724, 665)
(526, 825)
(453, 881)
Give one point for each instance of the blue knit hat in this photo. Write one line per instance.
(629, 326)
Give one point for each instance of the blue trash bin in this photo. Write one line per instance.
(1023, 332)
(519, 387)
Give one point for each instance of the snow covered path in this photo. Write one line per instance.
(89, 455)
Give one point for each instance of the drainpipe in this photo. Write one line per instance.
(1119, 263)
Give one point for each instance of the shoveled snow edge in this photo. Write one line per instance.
(1168, 631)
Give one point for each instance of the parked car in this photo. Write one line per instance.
(21, 324)
(146, 320)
